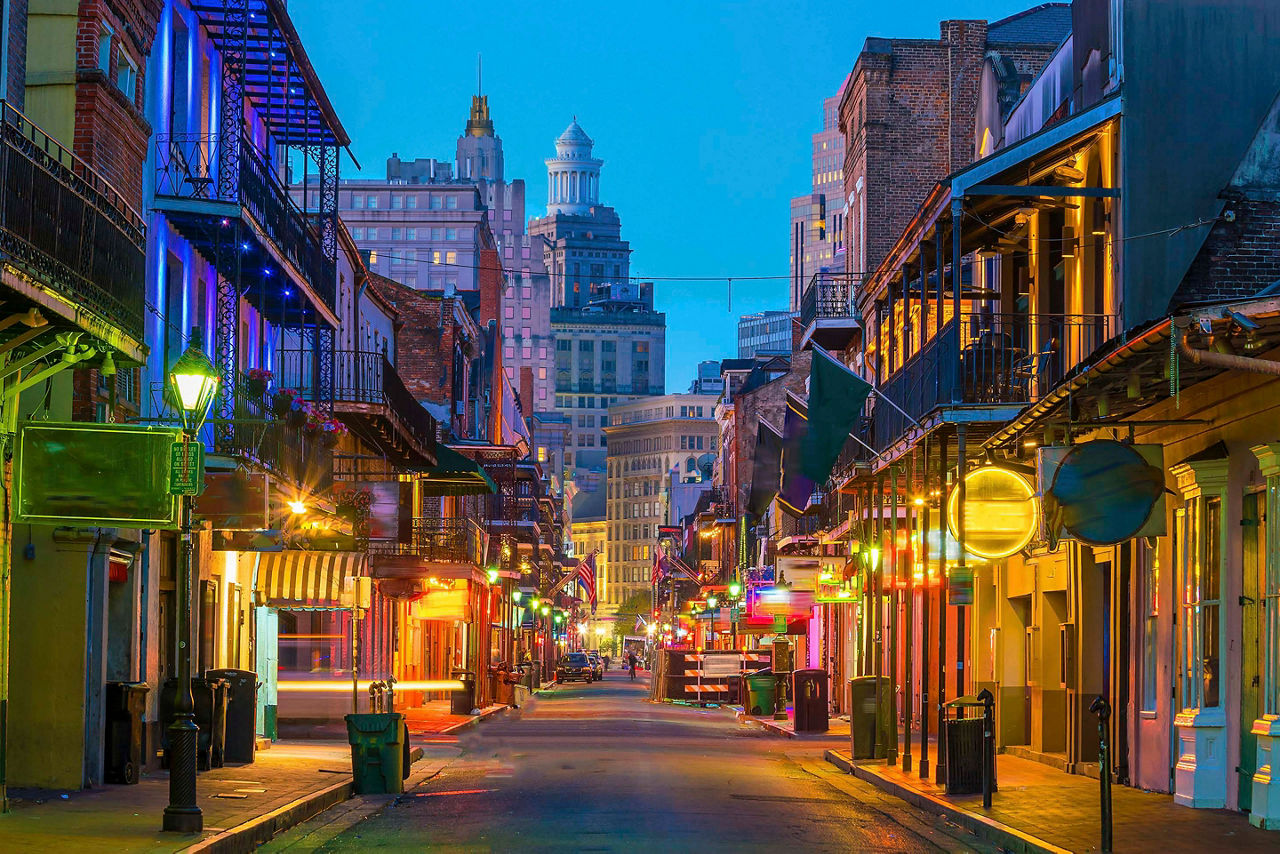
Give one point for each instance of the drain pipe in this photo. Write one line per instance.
(1214, 359)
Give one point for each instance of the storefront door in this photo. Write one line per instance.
(1251, 652)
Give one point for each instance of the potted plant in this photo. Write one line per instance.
(331, 431)
(299, 412)
(314, 422)
(257, 380)
(282, 402)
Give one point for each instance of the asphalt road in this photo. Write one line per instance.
(589, 768)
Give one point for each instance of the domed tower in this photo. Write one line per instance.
(573, 175)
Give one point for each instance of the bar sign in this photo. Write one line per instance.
(186, 468)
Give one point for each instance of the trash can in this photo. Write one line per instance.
(865, 741)
(202, 692)
(463, 699)
(126, 703)
(378, 743)
(217, 721)
(241, 729)
(809, 692)
(760, 693)
(964, 749)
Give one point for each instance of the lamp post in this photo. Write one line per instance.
(193, 382)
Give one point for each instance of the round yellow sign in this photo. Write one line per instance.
(1000, 514)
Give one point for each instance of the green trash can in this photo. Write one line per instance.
(377, 752)
(760, 693)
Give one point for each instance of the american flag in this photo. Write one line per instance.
(586, 575)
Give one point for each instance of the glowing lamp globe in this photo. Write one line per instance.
(194, 382)
(1000, 512)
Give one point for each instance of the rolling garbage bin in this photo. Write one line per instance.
(217, 721)
(202, 692)
(126, 703)
(378, 743)
(809, 692)
(241, 730)
(760, 693)
(463, 699)
(865, 741)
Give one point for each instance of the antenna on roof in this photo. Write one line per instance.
(479, 74)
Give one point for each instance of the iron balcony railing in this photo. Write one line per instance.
(988, 359)
(360, 377)
(826, 295)
(291, 452)
(187, 168)
(438, 540)
(62, 224)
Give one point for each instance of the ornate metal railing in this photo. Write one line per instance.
(440, 540)
(62, 224)
(826, 295)
(187, 167)
(989, 359)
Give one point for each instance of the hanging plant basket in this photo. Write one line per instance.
(296, 418)
(282, 403)
(255, 387)
(329, 439)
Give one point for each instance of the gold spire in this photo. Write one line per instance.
(479, 124)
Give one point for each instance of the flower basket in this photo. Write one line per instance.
(255, 387)
(282, 403)
(328, 439)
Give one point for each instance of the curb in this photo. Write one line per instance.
(767, 725)
(475, 720)
(246, 837)
(987, 829)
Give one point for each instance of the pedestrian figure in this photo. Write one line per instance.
(631, 664)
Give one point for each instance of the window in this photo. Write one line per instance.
(437, 234)
(371, 233)
(371, 202)
(412, 203)
(451, 203)
(396, 234)
(127, 76)
(1150, 636)
(526, 312)
(357, 202)
(357, 233)
(509, 312)
(1199, 531)
(437, 202)
(104, 48)
(451, 258)
(397, 202)
(451, 234)
(526, 293)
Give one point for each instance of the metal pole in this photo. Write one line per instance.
(877, 637)
(355, 660)
(893, 611)
(940, 766)
(1102, 709)
(183, 814)
(988, 747)
(961, 568)
(908, 595)
(924, 620)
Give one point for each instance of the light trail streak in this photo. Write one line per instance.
(338, 686)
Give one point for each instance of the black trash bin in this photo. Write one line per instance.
(202, 692)
(126, 704)
(865, 741)
(240, 737)
(463, 699)
(218, 721)
(809, 693)
(964, 749)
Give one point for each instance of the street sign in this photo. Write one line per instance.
(186, 468)
(718, 665)
(959, 586)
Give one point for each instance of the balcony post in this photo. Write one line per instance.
(231, 106)
(939, 267)
(957, 285)
(924, 611)
(940, 762)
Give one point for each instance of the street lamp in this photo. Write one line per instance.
(193, 381)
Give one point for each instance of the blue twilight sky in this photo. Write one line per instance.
(701, 110)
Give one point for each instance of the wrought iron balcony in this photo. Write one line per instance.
(69, 230)
(195, 196)
(989, 360)
(289, 452)
(827, 312)
(369, 396)
(437, 540)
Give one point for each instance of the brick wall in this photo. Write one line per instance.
(111, 134)
(1238, 259)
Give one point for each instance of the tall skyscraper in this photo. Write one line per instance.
(610, 344)
(817, 218)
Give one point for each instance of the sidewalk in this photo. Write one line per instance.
(1040, 809)
(837, 727)
(294, 780)
(434, 718)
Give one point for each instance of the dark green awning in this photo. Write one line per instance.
(456, 474)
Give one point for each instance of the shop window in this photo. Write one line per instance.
(1200, 523)
(1150, 636)
(1267, 547)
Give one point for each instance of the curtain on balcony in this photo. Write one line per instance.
(455, 474)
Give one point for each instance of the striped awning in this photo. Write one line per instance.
(299, 579)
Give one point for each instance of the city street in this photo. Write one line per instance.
(598, 768)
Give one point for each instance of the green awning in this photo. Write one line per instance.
(456, 474)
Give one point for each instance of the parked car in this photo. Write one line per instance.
(597, 664)
(575, 665)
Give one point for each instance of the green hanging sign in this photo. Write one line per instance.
(959, 586)
(186, 468)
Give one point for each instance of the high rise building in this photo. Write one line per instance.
(765, 332)
(583, 249)
(707, 379)
(427, 224)
(648, 440)
(817, 218)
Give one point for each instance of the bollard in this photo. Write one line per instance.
(391, 694)
(988, 746)
(1102, 709)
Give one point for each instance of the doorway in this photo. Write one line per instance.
(1253, 543)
